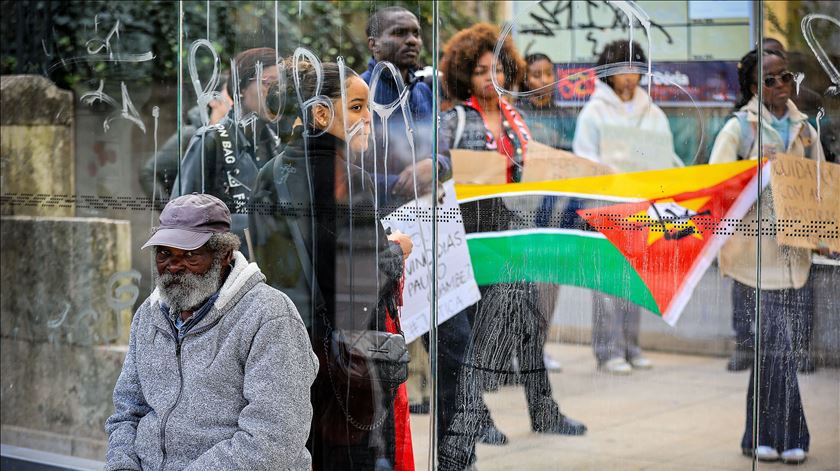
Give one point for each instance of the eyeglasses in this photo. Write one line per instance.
(784, 77)
(190, 257)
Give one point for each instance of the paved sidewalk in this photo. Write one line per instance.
(685, 414)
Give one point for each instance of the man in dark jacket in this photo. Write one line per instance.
(219, 364)
(394, 36)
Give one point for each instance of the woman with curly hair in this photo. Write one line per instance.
(507, 322)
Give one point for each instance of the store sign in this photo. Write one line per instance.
(703, 81)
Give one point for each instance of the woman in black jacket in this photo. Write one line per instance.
(318, 238)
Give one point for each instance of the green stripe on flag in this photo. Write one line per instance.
(566, 258)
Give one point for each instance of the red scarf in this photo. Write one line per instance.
(514, 137)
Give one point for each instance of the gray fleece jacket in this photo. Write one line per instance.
(233, 394)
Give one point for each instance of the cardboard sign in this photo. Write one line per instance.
(542, 163)
(480, 167)
(456, 286)
(806, 199)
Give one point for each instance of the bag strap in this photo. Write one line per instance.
(806, 139)
(459, 128)
(747, 139)
(748, 130)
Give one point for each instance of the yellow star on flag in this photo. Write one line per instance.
(669, 216)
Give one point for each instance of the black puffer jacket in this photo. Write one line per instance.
(318, 238)
(223, 161)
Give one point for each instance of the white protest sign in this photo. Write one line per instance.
(456, 286)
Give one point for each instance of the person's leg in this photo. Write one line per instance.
(489, 343)
(541, 405)
(606, 328)
(497, 328)
(743, 318)
(793, 427)
(547, 293)
(418, 377)
(802, 329)
(453, 338)
(781, 418)
(460, 415)
(542, 408)
(632, 326)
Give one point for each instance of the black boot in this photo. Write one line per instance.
(807, 365)
(493, 436)
(741, 359)
(562, 426)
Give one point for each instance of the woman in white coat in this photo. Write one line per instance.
(621, 127)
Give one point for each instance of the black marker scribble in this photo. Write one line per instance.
(558, 15)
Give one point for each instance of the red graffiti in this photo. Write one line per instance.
(103, 156)
(576, 83)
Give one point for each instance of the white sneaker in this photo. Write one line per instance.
(617, 366)
(641, 363)
(794, 456)
(551, 364)
(766, 453)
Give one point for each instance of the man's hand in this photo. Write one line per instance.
(405, 183)
(405, 242)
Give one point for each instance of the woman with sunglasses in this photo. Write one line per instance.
(786, 301)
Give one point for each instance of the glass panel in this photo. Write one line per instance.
(265, 105)
(796, 328)
(88, 92)
(584, 223)
(580, 137)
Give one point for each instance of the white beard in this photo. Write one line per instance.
(185, 291)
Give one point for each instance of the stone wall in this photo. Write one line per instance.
(36, 150)
(67, 283)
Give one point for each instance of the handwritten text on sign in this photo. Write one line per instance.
(806, 196)
(456, 287)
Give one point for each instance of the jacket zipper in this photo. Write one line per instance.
(165, 418)
(177, 400)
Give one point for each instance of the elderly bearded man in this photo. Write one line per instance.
(219, 364)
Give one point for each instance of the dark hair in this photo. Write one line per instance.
(246, 66)
(221, 243)
(374, 23)
(224, 78)
(531, 59)
(747, 76)
(772, 43)
(619, 51)
(536, 57)
(330, 88)
(462, 52)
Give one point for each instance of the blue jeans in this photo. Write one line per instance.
(781, 419)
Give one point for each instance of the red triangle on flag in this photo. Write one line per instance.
(666, 239)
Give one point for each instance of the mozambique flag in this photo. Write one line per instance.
(647, 237)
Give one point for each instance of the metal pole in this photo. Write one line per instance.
(758, 33)
(433, 330)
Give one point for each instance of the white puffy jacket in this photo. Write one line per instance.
(630, 136)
